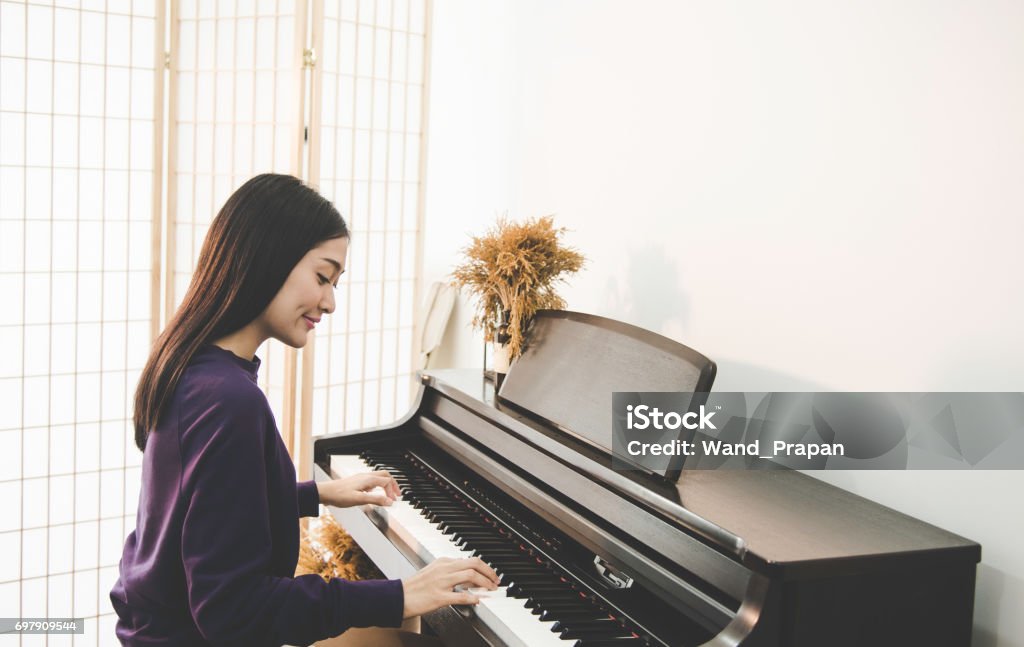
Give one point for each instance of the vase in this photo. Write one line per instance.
(500, 358)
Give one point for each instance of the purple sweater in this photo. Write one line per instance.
(212, 558)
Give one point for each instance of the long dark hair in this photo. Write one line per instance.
(253, 244)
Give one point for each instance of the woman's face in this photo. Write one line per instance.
(306, 295)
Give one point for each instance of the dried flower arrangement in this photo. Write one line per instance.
(511, 272)
(328, 551)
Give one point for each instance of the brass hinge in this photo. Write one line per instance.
(167, 60)
(309, 58)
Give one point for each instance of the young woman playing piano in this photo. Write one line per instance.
(212, 557)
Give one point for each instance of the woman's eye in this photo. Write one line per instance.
(323, 280)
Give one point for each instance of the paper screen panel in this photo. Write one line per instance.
(233, 100)
(368, 131)
(79, 114)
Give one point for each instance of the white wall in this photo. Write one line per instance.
(816, 195)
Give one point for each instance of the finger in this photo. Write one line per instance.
(478, 579)
(371, 481)
(394, 489)
(386, 475)
(362, 481)
(483, 593)
(461, 597)
(468, 577)
(481, 566)
(465, 578)
(377, 498)
(475, 564)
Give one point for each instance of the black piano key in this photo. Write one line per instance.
(541, 581)
(491, 559)
(435, 514)
(524, 583)
(491, 546)
(466, 523)
(440, 514)
(526, 576)
(513, 561)
(573, 606)
(479, 543)
(526, 568)
(495, 561)
(542, 598)
(458, 518)
(541, 591)
(500, 547)
(531, 583)
(597, 629)
(564, 618)
(481, 535)
(533, 603)
(519, 559)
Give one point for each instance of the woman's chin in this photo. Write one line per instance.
(297, 340)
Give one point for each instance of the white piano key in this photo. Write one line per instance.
(506, 616)
(500, 612)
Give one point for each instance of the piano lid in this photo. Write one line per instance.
(572, 363)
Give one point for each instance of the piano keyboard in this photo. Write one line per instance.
(537, 604)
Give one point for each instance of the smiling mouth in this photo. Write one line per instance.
(310, 322)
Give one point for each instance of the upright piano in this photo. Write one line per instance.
(591, 556)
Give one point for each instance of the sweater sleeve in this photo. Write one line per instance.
(226, 545)
(309, 499)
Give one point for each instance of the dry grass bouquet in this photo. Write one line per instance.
(511, 272)
(328, 551)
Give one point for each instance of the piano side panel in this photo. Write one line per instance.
(899, 608)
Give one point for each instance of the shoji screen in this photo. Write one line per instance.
(79, 179)
(368, 118)
(82, 238)
(236, 111)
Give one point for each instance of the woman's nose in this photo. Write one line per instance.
(327, 303)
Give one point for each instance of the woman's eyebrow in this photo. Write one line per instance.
(336, 264)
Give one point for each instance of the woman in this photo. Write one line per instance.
(212, 557)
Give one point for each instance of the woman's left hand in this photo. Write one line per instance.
(359, 489)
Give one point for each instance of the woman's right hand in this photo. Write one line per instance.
(433, 586)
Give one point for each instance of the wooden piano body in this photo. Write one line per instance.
(719, 558)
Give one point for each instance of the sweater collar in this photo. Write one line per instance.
(251, 367)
